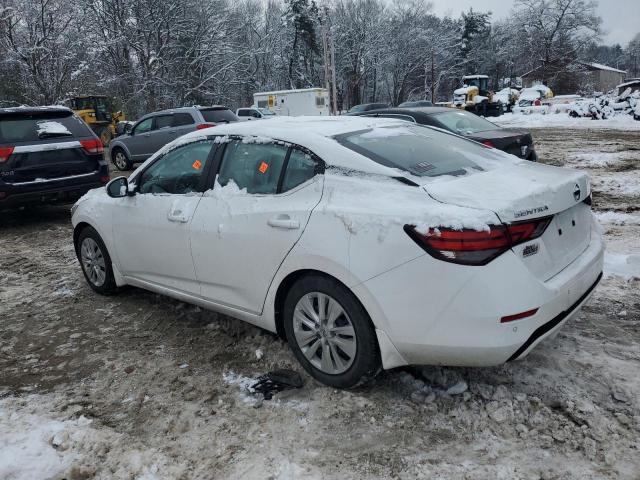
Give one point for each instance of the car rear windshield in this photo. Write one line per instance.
(16, 127)
(464, 122)
(218, 115)
(421, 151)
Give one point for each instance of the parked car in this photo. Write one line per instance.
(468, 125)
(364, 242)
(417, 103)
(365, 107)
(47, 155)
(254, 113)
(155, 130)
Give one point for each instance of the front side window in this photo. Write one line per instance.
(144, 126)
(179, 172)
(254, 166)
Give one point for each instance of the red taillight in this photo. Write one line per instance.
(473, 247)
(200, 126)
(488, 143)
(92, 146)
(518, 316)
(5, 153)
(105, 179)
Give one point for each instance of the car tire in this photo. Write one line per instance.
(330, 333)
(95, 262)
(120, 159)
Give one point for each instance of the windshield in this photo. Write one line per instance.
(464, 123)
(421, 151)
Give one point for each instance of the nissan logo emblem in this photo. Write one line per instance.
(576, 192)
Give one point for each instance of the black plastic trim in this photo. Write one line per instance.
(550, 325)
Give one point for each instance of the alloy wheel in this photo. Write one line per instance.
(121, 160)
(93, 262)
(324, 333)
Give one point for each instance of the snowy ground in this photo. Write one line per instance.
(137, 386)
(563, 120)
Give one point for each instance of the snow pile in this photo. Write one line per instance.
(618, 218)
(49, 127)
(33, 445)
(538, 120)
(622, 265)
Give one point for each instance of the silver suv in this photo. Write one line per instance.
(155, 130)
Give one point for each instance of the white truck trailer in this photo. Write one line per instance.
(304, 101)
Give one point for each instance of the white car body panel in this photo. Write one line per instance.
(348, 224)
(238, 241)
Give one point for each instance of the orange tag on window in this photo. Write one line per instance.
(197, 165)
(263, 167)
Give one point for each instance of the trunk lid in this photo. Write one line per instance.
(510, 141)
(524, 191)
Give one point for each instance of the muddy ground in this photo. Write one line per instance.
(140, 386)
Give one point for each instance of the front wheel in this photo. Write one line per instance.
(95, 261)
(121, 161)
(330, 333)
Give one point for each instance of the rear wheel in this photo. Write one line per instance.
(120, 160)
(330, 333)
(95, 261)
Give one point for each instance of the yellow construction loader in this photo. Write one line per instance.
(475, 96)
(95, 111)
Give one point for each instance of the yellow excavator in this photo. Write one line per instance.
(95, 111)
(475, 96)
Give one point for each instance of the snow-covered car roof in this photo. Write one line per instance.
(27, 109)
(314, 133)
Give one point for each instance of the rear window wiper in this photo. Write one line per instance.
(54, 134)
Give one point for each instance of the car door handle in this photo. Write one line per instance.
(177, 216)
(283, 221)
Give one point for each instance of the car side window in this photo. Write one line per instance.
(181, 119)
(180, 171)
(254, 166)
(300, 168)
(164, 121)
(144, 126)
(243, 113)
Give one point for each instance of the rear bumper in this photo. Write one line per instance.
(438, 313)
(66, 190)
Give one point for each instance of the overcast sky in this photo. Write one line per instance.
(619, 17)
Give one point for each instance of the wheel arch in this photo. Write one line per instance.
(77, 230)
(288, 281)
(113, 149)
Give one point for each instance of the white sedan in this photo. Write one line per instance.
(366, 243)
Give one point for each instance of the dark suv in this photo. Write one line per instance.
(47, 155)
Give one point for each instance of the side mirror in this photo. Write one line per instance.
(118, 188)
(128, 128)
